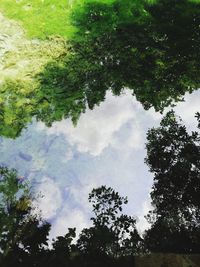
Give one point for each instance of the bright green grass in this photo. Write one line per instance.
(40, 18)
(43, 18)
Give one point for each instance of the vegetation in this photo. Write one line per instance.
(116, 42)
(150, 48)
(22, 233)
(20, 97)
(173, 155)
(113, 240)
(129, 44)
(40, 19)
(113, 234)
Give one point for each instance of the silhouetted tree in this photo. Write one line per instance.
(113, 234)
(23, 235)
(63, 252)
(173, 155)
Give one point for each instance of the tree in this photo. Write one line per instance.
(173, 155)
(113, 234)
(17, 105)
(23, 235)
(150, 47)
(62, 252)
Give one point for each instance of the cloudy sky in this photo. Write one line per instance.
(106, 148)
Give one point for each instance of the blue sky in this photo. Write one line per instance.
(107, 147)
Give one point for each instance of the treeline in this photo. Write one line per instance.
(150, 47)
(173, 156)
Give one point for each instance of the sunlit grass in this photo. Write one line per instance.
(40, 18)
(43, 18)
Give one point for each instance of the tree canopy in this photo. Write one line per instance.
(150, 47)
(173, 155)
(23, 235)
(113, 240)
(113, 233)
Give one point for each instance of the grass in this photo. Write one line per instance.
(40, 18)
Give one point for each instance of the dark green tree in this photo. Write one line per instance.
(23, 234)
(149, 47)
(173, 156)
(113, 234)
(63, 252)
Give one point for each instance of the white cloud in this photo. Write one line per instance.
(134, 138)
(96, 128)
(51, 199)
(69, 218)
(188, 108)
(118, 124)
(68, 156)
(142, 223)
(79, 193)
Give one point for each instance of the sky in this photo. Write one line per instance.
(107, 147)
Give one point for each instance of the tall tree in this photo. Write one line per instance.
(113, 234)
(173, 155)
(63, 252)
(23, 235)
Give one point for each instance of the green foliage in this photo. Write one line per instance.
(62, 252)
(22, 234)
(113, 234)
(173, 156)
(113, 239)
(106, 205)
(150, 47)
(17, 105)
(59, 91)
(20, 97)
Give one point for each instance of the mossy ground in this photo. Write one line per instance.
(21, 58)
(40, 18)
(167, 260)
